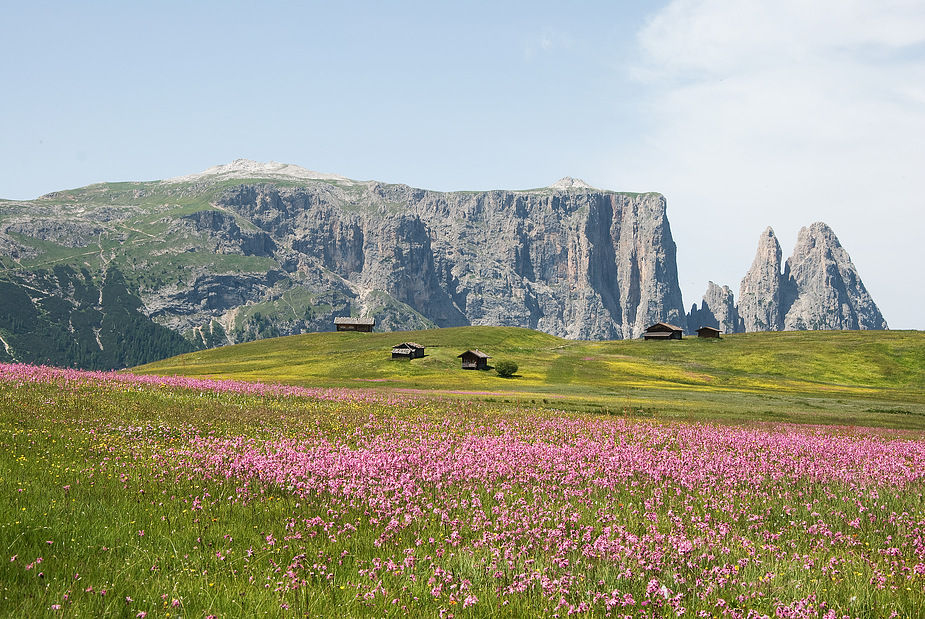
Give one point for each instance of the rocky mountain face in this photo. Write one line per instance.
(818, 288)
(760, 292)
(250, 250)
(823, 288)
(575, 262)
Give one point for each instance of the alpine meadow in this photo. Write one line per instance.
(314, 476)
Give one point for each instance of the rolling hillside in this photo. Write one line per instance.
(845, 377)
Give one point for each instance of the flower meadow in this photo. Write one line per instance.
(140, 496)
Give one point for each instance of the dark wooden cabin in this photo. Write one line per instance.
(408, 350)
(708, 332)
(663, 331)
(348, 323)
(474, 360)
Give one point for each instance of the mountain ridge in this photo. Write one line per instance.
(222, 258)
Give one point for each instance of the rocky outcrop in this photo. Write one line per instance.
(223, 234)
(819, 287)
(717, 310)
(62, 232)
(824, 290)
(209, 294)
(14, 249)
(760, 292)
(572, 261)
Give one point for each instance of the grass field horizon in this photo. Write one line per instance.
(871, 378)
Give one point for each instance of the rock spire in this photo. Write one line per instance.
(760, 292)
(823, 286)
(819, 287)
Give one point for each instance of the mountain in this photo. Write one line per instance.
(760, 293)
(818, 289)
(824, 290)
(717, 310)
(251, 250)
(116, 274)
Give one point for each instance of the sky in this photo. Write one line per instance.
(743, 113)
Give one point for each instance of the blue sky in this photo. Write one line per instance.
(744, 113)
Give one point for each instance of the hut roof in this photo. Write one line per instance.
(708, 330)
(350, 320)
(663, 326)
(477, 353)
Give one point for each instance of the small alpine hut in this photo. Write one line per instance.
(474, 360)
(708, 332)
(348, 323)
(663, 331)
(408, 350)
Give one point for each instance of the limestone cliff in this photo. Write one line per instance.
(571, 260)
(824, 290)
(819, 287)
(760, 292)
(250, 250)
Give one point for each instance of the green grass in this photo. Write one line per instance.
(106, 528)
(871, 378)
(112, 510)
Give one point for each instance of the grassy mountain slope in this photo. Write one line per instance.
(864, 377)
(130, 228)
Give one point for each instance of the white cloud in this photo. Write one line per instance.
(727, 36)
(785, 113)
(766, 77)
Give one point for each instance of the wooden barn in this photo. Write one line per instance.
(708, 332)
(663, 331)
(348, 323)
(474, 360)
(408, 350)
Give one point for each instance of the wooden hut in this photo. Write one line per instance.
(663, 331)
(708, 332)
(349, 323)
(474, 360)
(408, 350)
